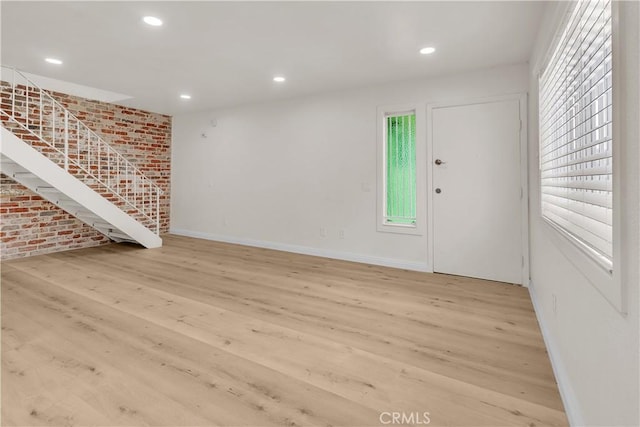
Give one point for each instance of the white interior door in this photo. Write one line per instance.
(477, 206)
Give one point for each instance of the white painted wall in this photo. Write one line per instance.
(594, 348)
(274, 174)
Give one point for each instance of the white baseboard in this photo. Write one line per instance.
(569, 400)
(306, 250)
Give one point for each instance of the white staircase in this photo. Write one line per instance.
(48, 150)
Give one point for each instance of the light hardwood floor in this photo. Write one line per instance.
(204, 333)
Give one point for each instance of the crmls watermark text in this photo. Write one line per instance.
(413, 418)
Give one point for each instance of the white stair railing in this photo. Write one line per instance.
(40, 120)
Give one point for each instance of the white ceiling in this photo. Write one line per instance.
(226, 53)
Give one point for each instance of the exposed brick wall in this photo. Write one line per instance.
(31, 225)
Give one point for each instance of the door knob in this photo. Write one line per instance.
(439, 162)
(438, 191)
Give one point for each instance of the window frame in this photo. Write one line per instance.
(383, 112)
(608, 282)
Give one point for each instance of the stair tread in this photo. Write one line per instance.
(37, 179)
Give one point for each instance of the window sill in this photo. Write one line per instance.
(601, 261)
(400, 229)
(599, 276)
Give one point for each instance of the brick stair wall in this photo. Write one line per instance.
(30, 225)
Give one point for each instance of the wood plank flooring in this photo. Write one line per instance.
(200, 333)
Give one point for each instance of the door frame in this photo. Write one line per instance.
(524, 172)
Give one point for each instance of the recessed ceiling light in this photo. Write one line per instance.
(53, 61)
(185, 96)
(279, 79)
(152, 20)
(427, 50)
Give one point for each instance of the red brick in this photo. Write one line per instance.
(16, 244)
(142, 137)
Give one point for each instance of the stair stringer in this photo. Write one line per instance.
(31, 160)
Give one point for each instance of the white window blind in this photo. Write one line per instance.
(576, 132)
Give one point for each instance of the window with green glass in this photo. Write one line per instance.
(400, 174)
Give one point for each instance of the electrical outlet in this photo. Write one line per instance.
(555, 303)
(323, 232)
(340, 234)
